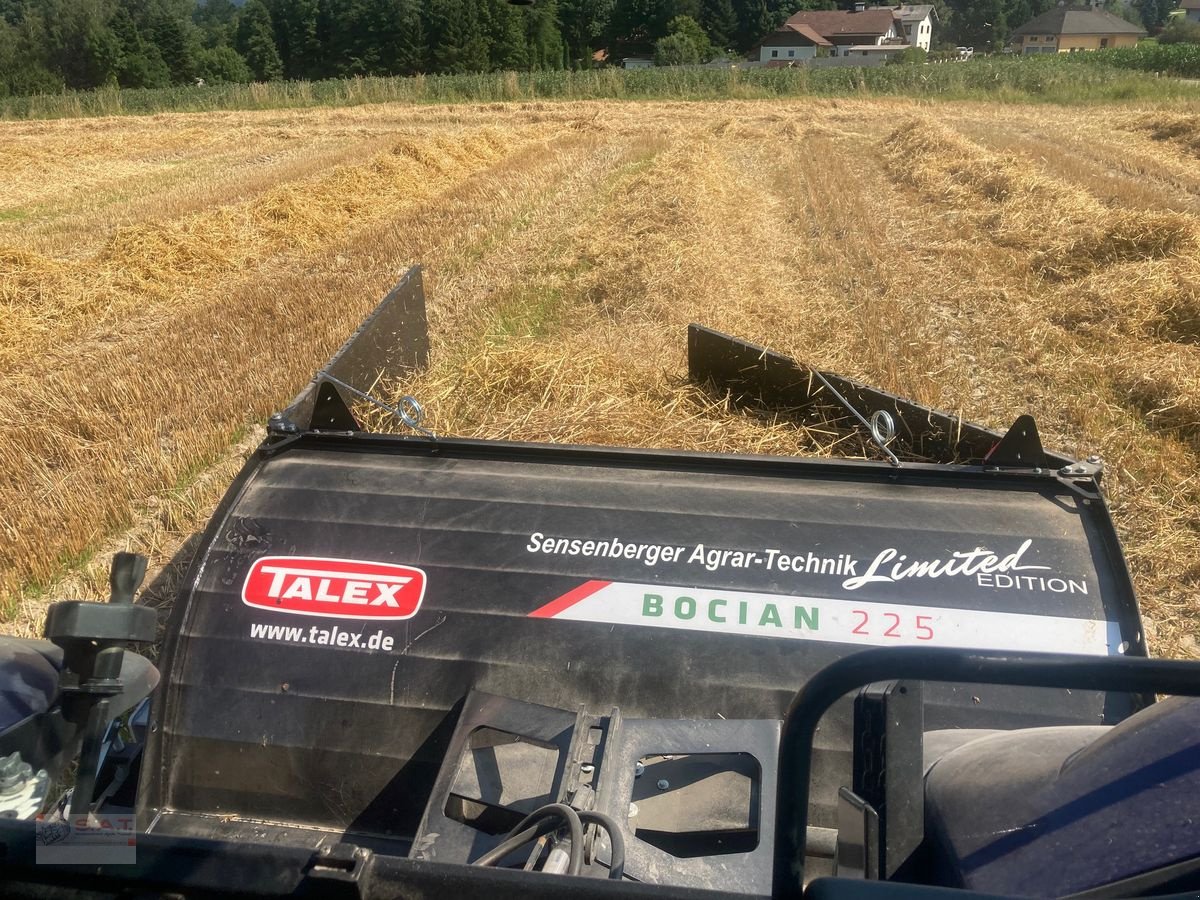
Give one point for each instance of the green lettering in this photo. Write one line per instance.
(712, 610)
(770, 616)
(682, 604)
(651, 605)
(809, 618)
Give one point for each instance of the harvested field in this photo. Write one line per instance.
(167, 282)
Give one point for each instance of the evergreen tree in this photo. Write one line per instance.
(255, 39)
(456, 37)
(636, 25)
(46, 45)
(215, 20)
(981, 23)
(755, 22)
(142, 65)
(410, 41)
(583, 24)
(509, 44)
(688, 8)
(720, 22)
(296, 24)
(985, 24)
(475, 52)
(546, 49)
(10, 59)
(1154, 13)
(177, 43)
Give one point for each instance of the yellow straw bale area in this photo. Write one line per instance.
(168, 282)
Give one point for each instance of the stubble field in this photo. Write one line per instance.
(167, 282)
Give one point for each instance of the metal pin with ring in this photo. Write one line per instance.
(883, 426)
(882, 444)
(409, 411)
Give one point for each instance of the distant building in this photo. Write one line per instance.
(917, 23)
(844, 29)
(873, 51)
(1069, 29)
(637, 62)
(790, 43)
(1191, 10)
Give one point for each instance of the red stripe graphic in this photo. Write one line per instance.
(569, 599)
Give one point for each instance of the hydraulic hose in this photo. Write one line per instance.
(533, 826)
(616, 862)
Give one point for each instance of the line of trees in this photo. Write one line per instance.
(48, 45)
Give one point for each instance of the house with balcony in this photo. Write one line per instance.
(916, 23)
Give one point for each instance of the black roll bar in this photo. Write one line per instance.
(1123, 674)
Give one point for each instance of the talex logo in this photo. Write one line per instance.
(338, 588)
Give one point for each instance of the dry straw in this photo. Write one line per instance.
(568, 246)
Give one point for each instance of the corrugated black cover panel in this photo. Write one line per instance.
(259, 719)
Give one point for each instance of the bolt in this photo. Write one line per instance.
(633, 810)
(587, 768)
(1037, 471)
(1094, 459)
(14, 771)
(638, 770)
(663, 784)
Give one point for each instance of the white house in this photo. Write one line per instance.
(917, 22)
(791, 42)
(857, 28)
(873, 51)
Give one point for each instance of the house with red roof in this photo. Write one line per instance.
(790, 43)
(857, 32)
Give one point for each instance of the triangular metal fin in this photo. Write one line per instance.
(1020, 447)
(330, 412)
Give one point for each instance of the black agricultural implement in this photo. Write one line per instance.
(408, 665)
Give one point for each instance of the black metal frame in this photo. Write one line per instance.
(1086, 483)
(175, 866)
(667, 459)
(395, 337)
(750, 372)
(228, 869)
(1052, 670)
